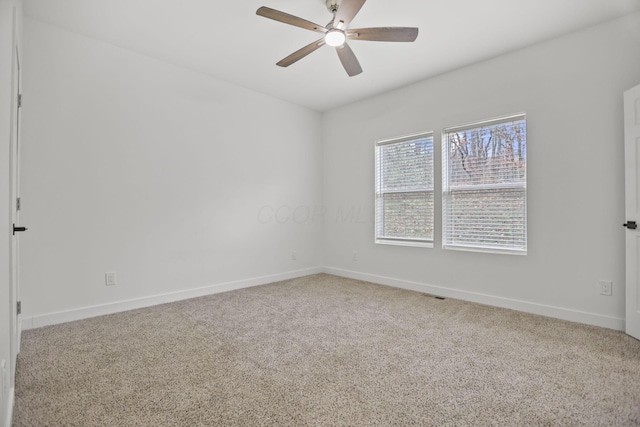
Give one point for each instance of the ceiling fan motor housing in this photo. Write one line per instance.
(333, 5)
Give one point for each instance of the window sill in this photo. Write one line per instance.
(485, 250)
(404, 243)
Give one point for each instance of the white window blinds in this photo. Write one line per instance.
(485, 185)
(404, 190)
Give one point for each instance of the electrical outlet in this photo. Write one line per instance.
(109, 279)
(606, 287)
(354, 257)
(294, 256)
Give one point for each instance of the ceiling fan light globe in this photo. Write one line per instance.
(335, 38)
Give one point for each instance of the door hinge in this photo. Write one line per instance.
(19, 308)
(19, 100)
(17, 203)
(631, 225)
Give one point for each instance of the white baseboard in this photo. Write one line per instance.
(513, 304)
(120, 306)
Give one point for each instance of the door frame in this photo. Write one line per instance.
(632, 210)
(14, 192)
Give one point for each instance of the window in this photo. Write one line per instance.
(404, 190)
(485, 186)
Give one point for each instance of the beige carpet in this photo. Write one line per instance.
(323, 350)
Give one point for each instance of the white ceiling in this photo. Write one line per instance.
(226, 39)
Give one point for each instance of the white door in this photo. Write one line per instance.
(15, 209)
(632, 208)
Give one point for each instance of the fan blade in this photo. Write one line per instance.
(384, 34)
(276, 15)
(299, 54)
(349, 60)
(346, 12)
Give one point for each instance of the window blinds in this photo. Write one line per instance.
(404, 190)
(484, 185)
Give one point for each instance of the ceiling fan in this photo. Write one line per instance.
(336, 33)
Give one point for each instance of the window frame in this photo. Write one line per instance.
(379, 192)
(447, 191)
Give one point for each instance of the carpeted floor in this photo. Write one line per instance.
(323, 350)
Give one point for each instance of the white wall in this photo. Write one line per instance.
(167, 177)
(571, 89)
(177, 181)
